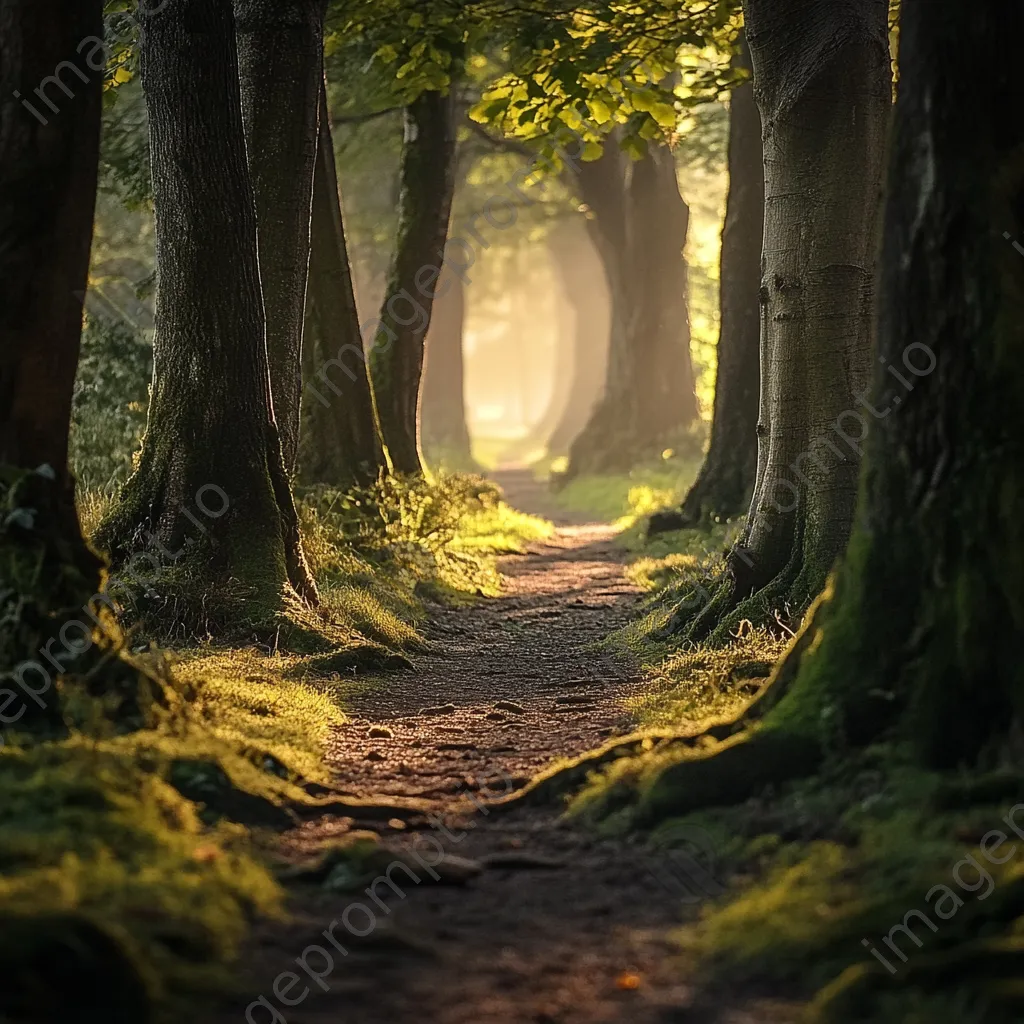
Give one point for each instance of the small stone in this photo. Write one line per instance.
(375, 755)
(381, 732)
(444, 709)
(495, 716)
(511, 706)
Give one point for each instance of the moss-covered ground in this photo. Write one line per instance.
(133, 862)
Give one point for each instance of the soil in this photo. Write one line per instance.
(541, 922)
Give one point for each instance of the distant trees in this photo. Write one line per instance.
(212, 435)
(443, 395)
(640, 223)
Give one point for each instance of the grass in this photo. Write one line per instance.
(626, 499)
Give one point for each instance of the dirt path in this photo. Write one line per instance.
(510, 686)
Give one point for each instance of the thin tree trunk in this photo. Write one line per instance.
(340, 443)
(443, 401)
(280, 60)
(427, 184)
(48, 170)
(824, 98)
(725, 484)
(211, 436)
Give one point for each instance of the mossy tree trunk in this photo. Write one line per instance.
(824, 97)
(340, 445)
(443, 403)
(280, 60)
(724, 487)
(928, 606)
(211, 439)
(639, 222)
(427, 180)
(918, 636)
(49, 577)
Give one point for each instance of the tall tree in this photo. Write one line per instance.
(340, 444)
(280, 60)
(48, 171)
(640, 221)
(903, 643)
(445, 429)
(211, 422)
(726, 481)
(427, 179)
(824, 99)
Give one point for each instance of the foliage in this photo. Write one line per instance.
(111, 397)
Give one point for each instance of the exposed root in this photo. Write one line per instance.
(729, 773)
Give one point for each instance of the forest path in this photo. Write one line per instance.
(561, 926)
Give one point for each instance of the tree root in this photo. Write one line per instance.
(729, 773)
(700, 745)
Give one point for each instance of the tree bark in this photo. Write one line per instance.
(639, 226)
(824, 98)
(340, 444)
(49, 161)
(47, 199)
(724, 487)
(427, 179)
(280, 61)
(211, 436)
(917, 637)
(443, 402)
(928, 606)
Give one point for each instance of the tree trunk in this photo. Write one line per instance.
(427, 184)
(211, 440)
(340, 444)
(280, 60)
(917, 638)
(585, 293)
(665, 393)
(48, 170)
(824, 100)
(725, 484)
(639, 226)
(929, 604)
(443, 401)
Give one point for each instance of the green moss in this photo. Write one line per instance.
(627, 498)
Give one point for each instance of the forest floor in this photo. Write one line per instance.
(557, 925)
